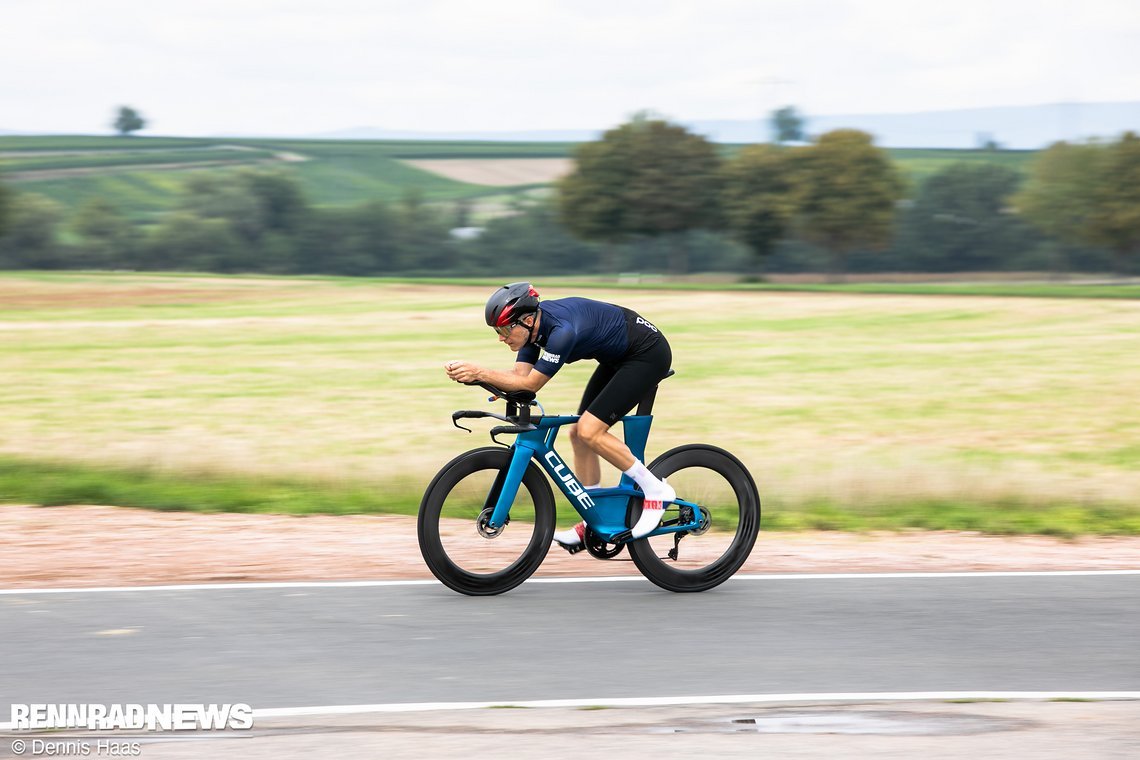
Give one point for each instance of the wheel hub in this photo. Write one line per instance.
(704, 524)
(483, 524)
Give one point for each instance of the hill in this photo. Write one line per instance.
(143, 175)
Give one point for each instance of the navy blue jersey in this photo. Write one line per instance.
(576, 328)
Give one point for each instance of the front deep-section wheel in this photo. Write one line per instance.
(457, 543)
(729, 520)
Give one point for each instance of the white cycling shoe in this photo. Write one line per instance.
(571, 536)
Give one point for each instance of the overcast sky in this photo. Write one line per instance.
(295, 67)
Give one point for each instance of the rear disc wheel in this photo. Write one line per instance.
(729, 521)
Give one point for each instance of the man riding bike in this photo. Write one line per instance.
(632, 355)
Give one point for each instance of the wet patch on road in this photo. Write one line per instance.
(854, 722)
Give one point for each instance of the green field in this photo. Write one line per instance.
(110, 158)
(138, 177)
(917, 164)
(333, 172)
(853, 411)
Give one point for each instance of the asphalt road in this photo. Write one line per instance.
(294, 647)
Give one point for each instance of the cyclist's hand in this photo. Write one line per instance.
(462, 372)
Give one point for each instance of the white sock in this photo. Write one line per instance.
(650, 485)
(594, 487)
(657, 492)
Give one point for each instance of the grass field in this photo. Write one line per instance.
(108, 159)
(333, 172)
(917, 164)
(854, 411)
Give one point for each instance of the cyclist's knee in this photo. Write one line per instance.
(589, 430)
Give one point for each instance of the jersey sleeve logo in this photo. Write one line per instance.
(551, 358)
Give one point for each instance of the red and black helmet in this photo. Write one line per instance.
(511, 303)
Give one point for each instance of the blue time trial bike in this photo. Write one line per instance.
(486, 519)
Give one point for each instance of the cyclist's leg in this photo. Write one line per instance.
(595, 436)
(634, 378)
(627, 384)
(586, 464)
(612, 392)
(624, 386)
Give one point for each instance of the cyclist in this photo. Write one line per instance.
(632, 354)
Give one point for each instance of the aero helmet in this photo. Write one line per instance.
(511, 303)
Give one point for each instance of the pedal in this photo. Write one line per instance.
(572, 549)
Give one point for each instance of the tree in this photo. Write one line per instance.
(253, 202)
(106, 237)
(847, 190)
(1058, 196)
(31, 238)
(4, 203)
(219, 195)
(787, 125)
(532, 235)
(1115, 218)
(644, 178)
(1088, 194)
(128, 120)
(350, 241)
(961, 220)
(188, 242)
(423, 239)
(757, 198)
(282, 203)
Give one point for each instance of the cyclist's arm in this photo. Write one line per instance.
(522, 378)
(515, 380)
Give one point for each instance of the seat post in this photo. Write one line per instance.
(645, 406)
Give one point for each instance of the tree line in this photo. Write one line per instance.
(649, 196)
(838, 203)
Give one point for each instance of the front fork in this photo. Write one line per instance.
(506, 486)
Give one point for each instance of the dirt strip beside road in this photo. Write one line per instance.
(84, 546)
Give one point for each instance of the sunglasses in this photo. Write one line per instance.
(505, 330)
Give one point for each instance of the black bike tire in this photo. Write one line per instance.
(748, 502)
(431, 544)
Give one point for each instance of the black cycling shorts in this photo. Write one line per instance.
(617, 387)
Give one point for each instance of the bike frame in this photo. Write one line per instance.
(603, 509)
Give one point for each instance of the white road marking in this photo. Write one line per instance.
(602, 579)
(722, 699)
